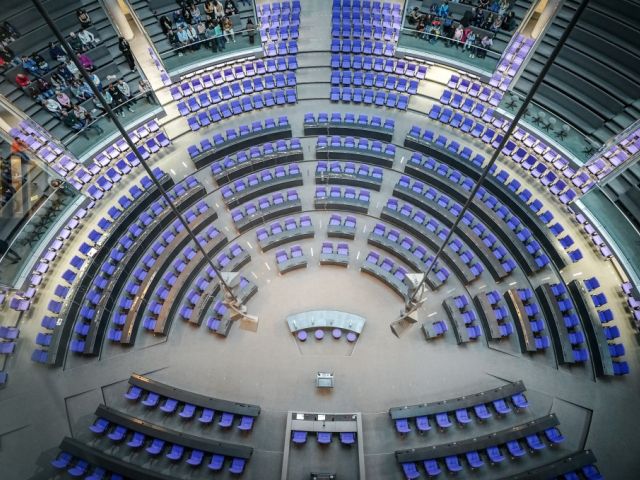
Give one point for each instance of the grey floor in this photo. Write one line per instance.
(40, 406)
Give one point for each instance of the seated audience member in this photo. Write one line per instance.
(76, 43)
(88, 39)
(80, 90)
(86, 119)
(227, 28)
(22, 80)
(83, 18)
(509, 21)
(64, 100)
(414, 16)
(86, 62)
(230, 8)
(443, 9)
(165, 24)
(208, 9)
(30, 65)
(470, 44)
(218, 9)
(53, 107)
(56, 52)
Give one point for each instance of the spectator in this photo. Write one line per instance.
(178, 19)
(484, 4)
(144, 88)
(201, 31)
(96, 81)
(83, 18)
(497, 23)
(218, 9)
(227, 28)
(86, 119)
(44, 88)
(251, 31)
(509, 21)
(210, 35)
(56, 52)
(88, 39)
(119, 98)
(124, 88)
(72, 69)
(486, 44)
(64, 100)
(457, 37)
(414, 16)
(165, 25)
(7, 54)
(80, 90)
(53, 107)
(208, 9)
(86, 62)
(220, 40)
(58, 82)
(183, 39)
(230, 8)
(469, 44)
(31, 66)
(196, 15)
(192, 35)
(75, 43)
(22, 80)
(443, 9)
(124, 47)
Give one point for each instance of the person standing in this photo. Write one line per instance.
(124, 47)
(251, 31)
(144, 88)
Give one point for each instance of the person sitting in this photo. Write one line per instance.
(414, 16)
(56, 53)
(165, 24)
(227, 28)
(88, 39)
(218, 9)
(22, 80)
(83, 18)
(53, 107)
(86, 62)
(443, 9)
(64, 100)
(208, 9)
(30, 65)
(76, 43)
(86, 120)
(230, 8)
(509, 21)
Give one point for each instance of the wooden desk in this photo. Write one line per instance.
(557, 329)
(129, 329)
(521, 322)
